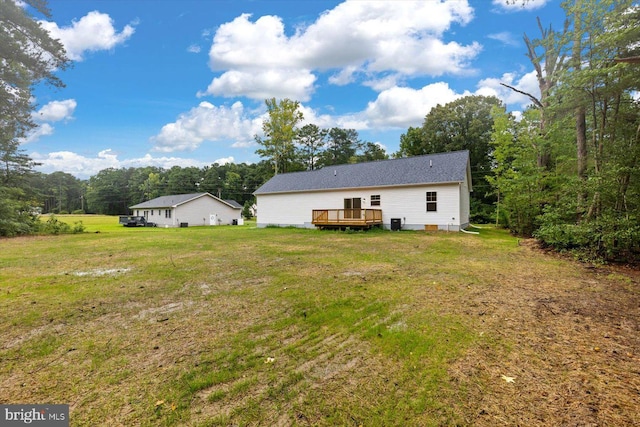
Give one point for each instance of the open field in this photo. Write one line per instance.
(229, 325)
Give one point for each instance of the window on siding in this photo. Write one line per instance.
(167, 213)
(432, 201)
(151, 212)
(375, 200)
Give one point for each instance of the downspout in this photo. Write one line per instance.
(468, 232)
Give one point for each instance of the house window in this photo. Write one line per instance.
(432, 201)
(375, 200)
(151, 212)
(167, 213)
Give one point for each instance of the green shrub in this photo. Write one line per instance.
(608, 238)
(54, 226)
(78, 227)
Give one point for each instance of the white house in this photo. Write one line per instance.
(189, 209)
(418, 193)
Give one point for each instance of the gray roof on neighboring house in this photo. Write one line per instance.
(178, 199)
(234, 204)
(427, 169)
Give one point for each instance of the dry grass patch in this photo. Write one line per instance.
(241, 326)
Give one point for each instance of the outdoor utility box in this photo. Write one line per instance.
(184, 224)
(396, 224)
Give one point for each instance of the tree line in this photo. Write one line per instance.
(111, 191)
(566, 171)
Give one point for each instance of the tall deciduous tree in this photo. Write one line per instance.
(280, 130)
(464, 124)
(412, 143)
(516, 176)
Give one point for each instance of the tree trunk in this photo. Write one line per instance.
(581, 125)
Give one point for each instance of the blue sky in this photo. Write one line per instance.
(171, 82)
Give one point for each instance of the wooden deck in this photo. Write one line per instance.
(342, 218)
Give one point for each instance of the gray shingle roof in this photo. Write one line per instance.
(427, 169)
(234, 204)
(178, 199)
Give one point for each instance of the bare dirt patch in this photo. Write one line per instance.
(97, 272)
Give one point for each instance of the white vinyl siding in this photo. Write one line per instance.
(197, 211)
(407, 203)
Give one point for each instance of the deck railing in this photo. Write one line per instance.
(347, 217)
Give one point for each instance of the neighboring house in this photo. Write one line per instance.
(189, 209)
(419, 193)
(253, 210)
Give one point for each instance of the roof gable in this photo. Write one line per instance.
(179, 199)
(427, 169)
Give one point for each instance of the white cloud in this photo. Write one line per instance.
(44, 129)
(527, 83)
(194, 48)
(505, 37)
(321, 120)
(94, 31)
(56, 111)
(268, 83)
(74, 163)
(84, 167)
(384, 35)
(383, 83)
(344, 76)
(206, 122)
(355, 38)
(518, 5)
(395, 107)
(224, 160)
(402, 106)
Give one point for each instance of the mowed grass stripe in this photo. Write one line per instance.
(179, 326)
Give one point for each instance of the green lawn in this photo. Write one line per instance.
(235, 325)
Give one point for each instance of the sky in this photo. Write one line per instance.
(183, 82)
